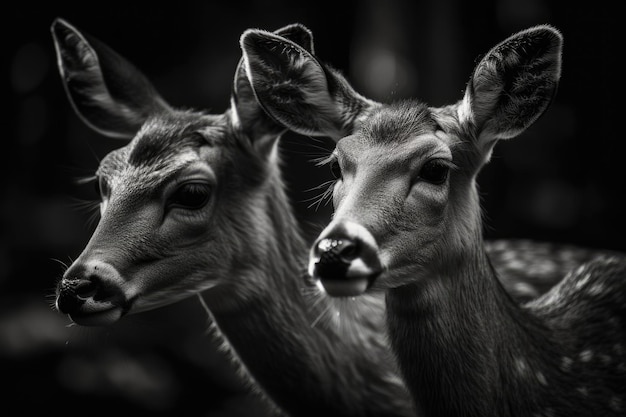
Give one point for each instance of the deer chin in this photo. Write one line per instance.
(350, 280)
(344, 288)
(99, 319)
(352, 284)
(98, 309)
(95, 313)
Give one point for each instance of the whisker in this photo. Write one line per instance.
(313, 293)
(85, 179)
(320, 316)
(318, 304)
(80, 204)
(323, 160)
(63, 264)
(322, 185)
(316, 197)
(324, 197)
(313, 146)
(311, 140)
(76, 171)
(93, 218)
(93, 153)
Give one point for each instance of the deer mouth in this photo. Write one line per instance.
(345, 264)
(88, 304)
(103, 317)
(345, 287)
(344, 278)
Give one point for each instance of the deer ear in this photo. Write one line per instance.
(295, 89)
(299, 34)
(106, 91)
(513, 84)
(251, 117)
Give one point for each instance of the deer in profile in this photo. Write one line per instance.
(195, 202)
(408, 222)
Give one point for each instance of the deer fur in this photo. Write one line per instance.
(242, 248)
(464, 346)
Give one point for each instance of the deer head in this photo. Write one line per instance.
(405, 197)
(178, 200)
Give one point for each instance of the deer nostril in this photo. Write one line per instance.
(79, 287)
(90, 288)
(73, 292)
(86, 288)
(337, 250)
(349, 251)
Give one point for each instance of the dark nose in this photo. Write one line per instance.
(74, 291)
(345, 259)
(335, 257)
(81, 284)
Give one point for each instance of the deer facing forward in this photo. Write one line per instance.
(407, 220)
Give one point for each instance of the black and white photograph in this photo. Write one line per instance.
(360, 208)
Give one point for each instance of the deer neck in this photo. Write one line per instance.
(464, 347)
(275, 332)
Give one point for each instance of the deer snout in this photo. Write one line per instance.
(344, 260)
(91, 294)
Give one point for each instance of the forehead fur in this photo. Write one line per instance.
(165, 134)
(165, 143)
(398, 122)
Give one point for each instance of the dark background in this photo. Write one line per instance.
(562, 180)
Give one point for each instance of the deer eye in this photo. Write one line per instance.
(191, 196)
(435, 171)
(101, 187)
(335, 169)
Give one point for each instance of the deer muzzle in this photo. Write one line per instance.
(91, 294)
(344, 260)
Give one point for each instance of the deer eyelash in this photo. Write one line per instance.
(448, 163)
(451, 165)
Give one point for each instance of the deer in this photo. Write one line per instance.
(407, 222)
(195, 203)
